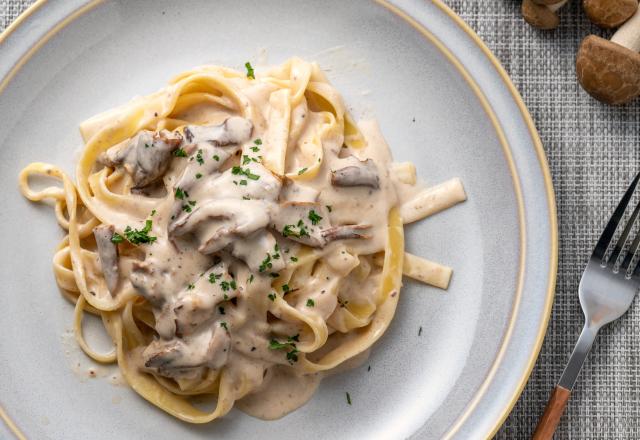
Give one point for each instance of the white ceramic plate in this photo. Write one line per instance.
(443, 102)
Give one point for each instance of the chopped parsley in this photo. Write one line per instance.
(153, 212)
(180, 153)
(244, 172)
(258, 141)
(225, 285)
(245, 159)
(272, 296)
(243, 182)
(348, 398)
(147, 145)
(250, 72)
(216, 158)
(255, 149)
(138, 236)
(251, 279)
(198, 175)
(314, 217)
(294, 259)
(292, 354)
(285, 288)
(214, 276)
(117, 238)
(329, 208)
(290, 230)
(302, 171)
(190, 286)
(311, 303)
(266, 264)
(225, 296)
(199, 157)
(180, 193)
(224, 325)
(246, 198)
(232, 283)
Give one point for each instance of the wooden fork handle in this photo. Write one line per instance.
(552, 413)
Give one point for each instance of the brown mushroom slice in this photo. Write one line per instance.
(148, 282)
(365, 173)
(145, 157)
(233, 130)
(204, 161)
(610, 70)
(209, 348)
(609, 13)
(219, 222)
(198, 304)
(302, 222)
(108, 254)
(260, 252)
(542, 13)
(346, 232)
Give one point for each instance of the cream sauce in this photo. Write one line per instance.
(208, 274)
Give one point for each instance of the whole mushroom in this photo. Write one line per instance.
(609, 13)
(610, 70)
(542, 13)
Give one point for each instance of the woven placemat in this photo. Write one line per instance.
(593, 151)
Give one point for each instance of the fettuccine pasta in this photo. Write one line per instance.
(239, 235)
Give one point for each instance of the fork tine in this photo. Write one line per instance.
(632, 251)
(607, 234)
(623, 238)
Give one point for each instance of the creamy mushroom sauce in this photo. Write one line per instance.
(221, 241)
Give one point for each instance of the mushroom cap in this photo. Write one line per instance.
(607, 71)
(609, 13)
(539, 16)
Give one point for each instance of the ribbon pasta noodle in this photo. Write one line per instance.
(239, 237)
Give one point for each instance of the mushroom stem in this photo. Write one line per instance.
(629, 34)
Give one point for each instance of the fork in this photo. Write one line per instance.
(606, 291)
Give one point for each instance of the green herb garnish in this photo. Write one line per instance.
(302, 171)
(310, 303)
(138, 236)
(250, 72)
(180, 153)
(314, 217)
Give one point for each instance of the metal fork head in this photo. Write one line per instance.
(609, 285)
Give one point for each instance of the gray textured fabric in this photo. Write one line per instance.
(593, 153)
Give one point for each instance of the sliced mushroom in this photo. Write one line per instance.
(302, 222)
(148, 281)
(108, 254)
(308, 223)
(609, 13)
(210, 349)
(219, 222)
(233, 130)
(364, 173)
(260, 251)
(145, 157)
(345, 232)
(610, 70)
(199, 304)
